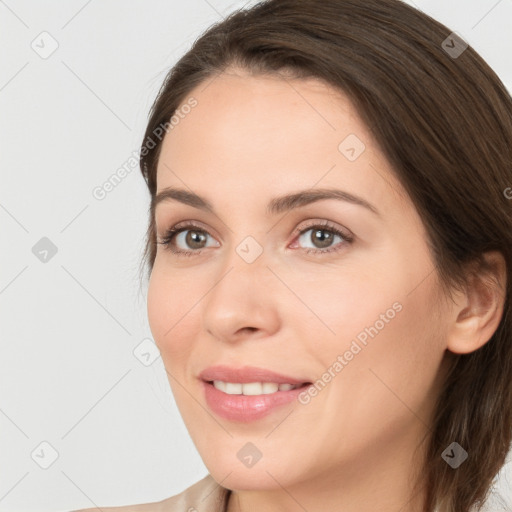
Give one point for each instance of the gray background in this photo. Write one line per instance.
(70, 325)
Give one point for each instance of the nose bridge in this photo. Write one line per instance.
(240, 297)
(245, 266)
(250, 250)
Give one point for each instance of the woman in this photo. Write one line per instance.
(329, 251)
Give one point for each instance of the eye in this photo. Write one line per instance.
(322, 237)
(182, 234)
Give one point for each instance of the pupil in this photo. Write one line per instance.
(322, 239)
(194, 237)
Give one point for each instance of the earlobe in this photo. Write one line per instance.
(478, 312)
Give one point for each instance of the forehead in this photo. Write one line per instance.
(259, 105)
(271, 131)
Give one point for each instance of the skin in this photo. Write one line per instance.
(356, 446)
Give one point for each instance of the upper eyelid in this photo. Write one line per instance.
(189, 225)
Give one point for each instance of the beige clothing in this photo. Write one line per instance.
(203, 496)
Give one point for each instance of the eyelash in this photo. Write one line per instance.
(323, 226)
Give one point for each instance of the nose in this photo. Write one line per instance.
(243, 303)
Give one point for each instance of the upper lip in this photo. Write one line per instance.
(246, 374)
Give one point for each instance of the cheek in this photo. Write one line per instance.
(344, 306)
(170, 307)
(391, 378)
(386, 302)
(386, 331)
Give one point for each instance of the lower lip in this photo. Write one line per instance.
(247, 408)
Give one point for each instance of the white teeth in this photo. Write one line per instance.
(233, 388)
(219, 384)
(269, 387)
(251, 388)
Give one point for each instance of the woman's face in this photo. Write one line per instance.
(271, 284)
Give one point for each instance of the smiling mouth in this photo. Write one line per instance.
(248, 394)
(254, 388)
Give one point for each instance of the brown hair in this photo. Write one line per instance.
(444, 121)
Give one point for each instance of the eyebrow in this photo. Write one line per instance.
(276, 206)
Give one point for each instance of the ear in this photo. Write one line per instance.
(478, 311)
